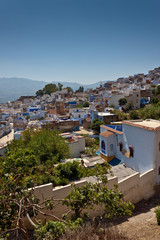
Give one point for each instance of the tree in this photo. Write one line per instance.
(89, 195)
(129, 106)
(86, 104)
(96, 125)
(69, 89)
(40, 92)
(60, 86)
(134, 114)
(81, 89)
(122, 102)
(50, 88)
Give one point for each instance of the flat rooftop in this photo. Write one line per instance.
(148, 124)
(103, 114)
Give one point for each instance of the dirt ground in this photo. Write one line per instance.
(142, 225)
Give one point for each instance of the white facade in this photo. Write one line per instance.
(143, 137)
(79, 113)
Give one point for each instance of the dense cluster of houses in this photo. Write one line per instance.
(65, 111)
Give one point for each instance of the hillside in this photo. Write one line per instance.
(13, 88)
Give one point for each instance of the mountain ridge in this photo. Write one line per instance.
(14, 87)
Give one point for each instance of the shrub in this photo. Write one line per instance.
(157, 212)
(51, 231)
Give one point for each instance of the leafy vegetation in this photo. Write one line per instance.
(48, 89)
(31, 161)
(95, 125)
(157, 212)
(122, 101)
(86, 104)
(92, 145)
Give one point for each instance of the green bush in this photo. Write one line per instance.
(157, 212)
(51, 231)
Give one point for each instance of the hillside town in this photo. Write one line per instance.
(68, 111)
(90, 123)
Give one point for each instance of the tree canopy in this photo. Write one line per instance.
(96, 125)
(122, 101)
(48, 89)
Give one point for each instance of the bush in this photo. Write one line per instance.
(157, 212)
(51, 231)
(133, 114)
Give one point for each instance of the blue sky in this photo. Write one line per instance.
(83, 41)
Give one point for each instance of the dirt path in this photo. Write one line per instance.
(143, 225)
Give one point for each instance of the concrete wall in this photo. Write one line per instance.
(77, 147)
(135, 188)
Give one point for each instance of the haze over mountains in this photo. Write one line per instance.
(13, 88)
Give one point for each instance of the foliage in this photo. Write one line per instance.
(40, 92)
(87, 196)
(71, 171)
(122, 101)
(92, 145)
(155, 100)
(148, 112)
(81, 89)
(129, 106)
(48, 89)
(78, 106)
(133, 114)
(50, 231)
(120, 115)
(60, 86)
(69, 89)
(157, 212)
(96, 125)
(31, 161)
(86, 104)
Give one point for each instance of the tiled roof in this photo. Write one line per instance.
(111, 130)
(107, 134)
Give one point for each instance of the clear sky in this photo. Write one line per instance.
(83, 41)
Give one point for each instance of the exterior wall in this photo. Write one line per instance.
(77, 147)
(64, 126)
(143, 142)
(157, 157)
(134, 98)
(110, 147)
(135, 188)
(109, 119)
(114, 99)
(138, 187)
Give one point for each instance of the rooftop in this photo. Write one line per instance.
(107, 134)
(148, 124)
(103, 114)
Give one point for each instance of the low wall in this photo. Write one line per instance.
(135, 188)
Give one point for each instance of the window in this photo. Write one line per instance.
(103, 145)
(131, 149)
(120, 146)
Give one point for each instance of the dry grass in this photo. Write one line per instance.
(89, 233)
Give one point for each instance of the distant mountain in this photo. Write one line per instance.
(12, 88)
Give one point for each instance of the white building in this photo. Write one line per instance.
(76, 143)
(138, 145)
(79, 113)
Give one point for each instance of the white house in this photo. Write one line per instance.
(137, 145)
(76, 143)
